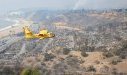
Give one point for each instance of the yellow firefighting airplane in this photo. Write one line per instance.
(41, 35)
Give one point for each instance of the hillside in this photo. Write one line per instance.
(86, 42)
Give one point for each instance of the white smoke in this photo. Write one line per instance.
(84, 4)
(99, 4)
(78, 4)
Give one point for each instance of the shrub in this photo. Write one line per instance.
(72, 61)
(97, 62)
(104, 69)
(27, 71)
(122, 51)
(122, 56)
(114, 62)
(69, 66)
(84, 54)
(48, 57)
(91, 69)
(35, 72)
(114, 71)
(87, 48)
(107, 54)
(60, 68)
(66, 51)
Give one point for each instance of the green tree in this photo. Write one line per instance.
(27, 71)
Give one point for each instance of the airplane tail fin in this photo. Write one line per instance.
(28, 33)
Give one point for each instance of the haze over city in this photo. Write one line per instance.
(7, 5)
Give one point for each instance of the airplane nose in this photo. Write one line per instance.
(53, 35)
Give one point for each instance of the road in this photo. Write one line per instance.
(23, 50)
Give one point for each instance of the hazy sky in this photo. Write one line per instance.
(6, 5)
(101, 4)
